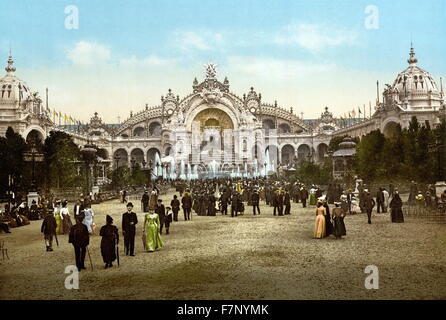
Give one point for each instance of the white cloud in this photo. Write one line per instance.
(197, 40)
(88, 53)
(314, 37)
(277, 69)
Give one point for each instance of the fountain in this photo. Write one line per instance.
(189, 172)
(173, 174)
(268, 163)
(182, 175)
(158, 168)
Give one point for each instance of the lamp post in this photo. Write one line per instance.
(88, 153)
(32, 156)
(264, 168)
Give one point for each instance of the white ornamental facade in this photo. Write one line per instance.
(214, 128)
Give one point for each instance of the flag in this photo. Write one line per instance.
(66, 118)
(349, 115)
(353, 113)
(54, 112)
(359, 109)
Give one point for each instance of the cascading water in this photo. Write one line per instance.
(189, 172)
(268, 163)
(158, 169)
(182, 175)
(173, 174)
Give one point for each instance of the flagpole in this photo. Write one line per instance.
(370, 109)
(47, 98)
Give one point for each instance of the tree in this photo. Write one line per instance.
(12, 165)
(369, 155)
(61, 154)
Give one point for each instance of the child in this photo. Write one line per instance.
(168, 218)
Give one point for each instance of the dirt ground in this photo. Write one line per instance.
(248, 257)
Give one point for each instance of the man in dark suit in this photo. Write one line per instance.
(255, 199)
(369, 203)
(129, 220)
(161, 211)
(235, 200)
(304, 196)
(187, 205)
(145, 202)
(175, 204)
(80, 239)
(287, 203)
(78, 207)
(380, 201)
(224, 199)
(49, 230)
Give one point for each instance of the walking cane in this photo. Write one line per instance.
(57, 241)
(89, 256)
(117, 253)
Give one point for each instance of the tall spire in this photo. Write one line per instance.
(10, 67)
(412, 59)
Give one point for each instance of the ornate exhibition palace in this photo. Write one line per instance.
(215, 130)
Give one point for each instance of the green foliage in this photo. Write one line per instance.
(310, 172)
(409, 154)
(61, 155)
(12, 164)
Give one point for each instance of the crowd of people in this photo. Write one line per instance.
(204, 197)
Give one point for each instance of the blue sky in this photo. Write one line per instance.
(305, 54)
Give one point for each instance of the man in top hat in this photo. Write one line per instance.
(161, 211)
(129, 221)
(145, 201)
(255, 199)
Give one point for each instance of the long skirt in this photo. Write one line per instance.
(152, 238)
(58, 224)
(66, 224)
(339, 227)
(312, 199)
(108, 250)
(328, 225)
(319, 226)
(397, 215)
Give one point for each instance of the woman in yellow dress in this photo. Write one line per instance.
(319, 226)
(58, 217)
(151, 232)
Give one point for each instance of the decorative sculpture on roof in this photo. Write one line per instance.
(210, 70)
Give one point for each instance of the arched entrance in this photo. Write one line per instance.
(121, 158)
(137, 155)
(288, 154)
(303, 152)
(34, 136)
(391, 129)
(322, 150)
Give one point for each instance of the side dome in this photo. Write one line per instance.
(11, 87)
(414, 88)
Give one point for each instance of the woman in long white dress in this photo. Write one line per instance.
(88, 218)
(66, 220)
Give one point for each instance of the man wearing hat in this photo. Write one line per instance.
(129, 221)
(79, 237)
(145, 201)
(110, 238)
(161, 211)
(369, 203)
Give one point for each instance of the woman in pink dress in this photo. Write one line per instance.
(319, 227)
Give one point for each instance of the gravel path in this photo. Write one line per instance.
(248, 257)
